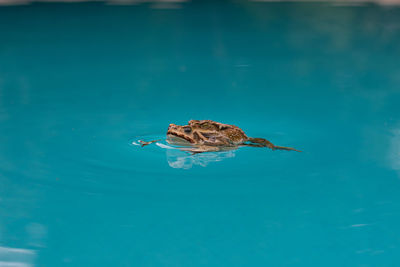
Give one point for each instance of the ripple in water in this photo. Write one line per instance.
(178, 158)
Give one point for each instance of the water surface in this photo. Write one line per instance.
(80, 81)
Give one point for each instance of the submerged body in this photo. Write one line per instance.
(207, 135)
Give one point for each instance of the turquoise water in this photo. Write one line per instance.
(79, 83)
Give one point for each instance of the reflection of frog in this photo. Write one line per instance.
(178, 159)
(207, 135)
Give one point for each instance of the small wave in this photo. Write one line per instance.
(176, 156)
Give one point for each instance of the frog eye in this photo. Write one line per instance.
(187, 129)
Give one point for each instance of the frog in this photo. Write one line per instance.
(200, 136)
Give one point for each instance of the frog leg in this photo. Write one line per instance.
(144, 143)
(212, 140)
(201, 149)
(261, 142)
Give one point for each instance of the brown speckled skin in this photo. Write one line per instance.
(207, 132)
(208, 135)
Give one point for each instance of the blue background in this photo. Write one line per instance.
(79, 82)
